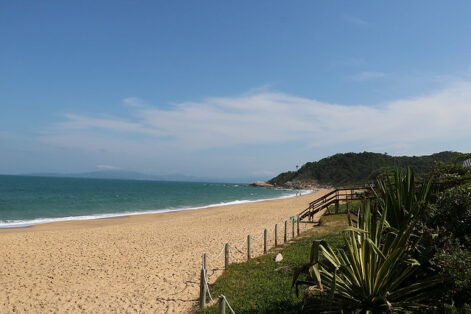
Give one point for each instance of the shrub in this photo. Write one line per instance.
(455, 264)
(372, 274)
(452, 214)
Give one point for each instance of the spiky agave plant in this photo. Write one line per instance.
(402, 198)
(372, 273)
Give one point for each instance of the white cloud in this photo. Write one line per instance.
(274, 118)
(365, 76)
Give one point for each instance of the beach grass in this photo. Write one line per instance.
(263, 286)
(354, 206)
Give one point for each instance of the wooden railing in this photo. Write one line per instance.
(332, 198)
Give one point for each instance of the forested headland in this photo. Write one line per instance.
(357, 169)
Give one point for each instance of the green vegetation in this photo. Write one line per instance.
(407, 249)
(447, 237)
(409, 252)
(375, 272)
(353, 206)
(263, 286)
(352, 169)
(402, 199)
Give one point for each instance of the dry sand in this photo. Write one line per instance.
(144, 263)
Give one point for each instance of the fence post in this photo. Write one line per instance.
(222, 305)
(292, 228)
(286, 231)
(337, 207)
(202, 289)
(204, 260)
(348, 217)
(297, 223)
(276, 234)
(265, 241)
(226, 255)
(248, 246)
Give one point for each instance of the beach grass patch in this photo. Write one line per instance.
(353, 206)
(262, 285)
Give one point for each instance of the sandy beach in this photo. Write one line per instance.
(145, 263)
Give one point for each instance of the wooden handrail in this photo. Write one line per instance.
(324, 196)
(331, 198)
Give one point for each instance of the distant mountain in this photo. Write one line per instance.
(132, 175)
(353, 169)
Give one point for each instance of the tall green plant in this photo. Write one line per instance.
(402, 198)
(374, 272)
(371, 272)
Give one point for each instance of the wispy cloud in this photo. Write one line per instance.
(6, 135)
(107, 167)
(134, 102)
(355, 20)
(77, 122)
(367, 75)
(271, 118)
(349, 61)
(263, 173)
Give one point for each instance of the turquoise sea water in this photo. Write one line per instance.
(32, 200)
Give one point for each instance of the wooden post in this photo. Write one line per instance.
(348, 217)
(292, 228)
(222, 305)
(204, 260)
(248, 246)
(226, 255)
(297, 223)
(286, 231)
(202, 289)
(265, 241)
(337, 207)
(276, 234)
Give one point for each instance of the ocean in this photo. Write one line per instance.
(26, 200)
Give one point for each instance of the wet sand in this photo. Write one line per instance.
(144, 263)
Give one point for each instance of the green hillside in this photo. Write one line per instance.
(354, 169)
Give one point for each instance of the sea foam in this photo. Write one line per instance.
(5, 224)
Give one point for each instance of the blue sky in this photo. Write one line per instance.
(229, 89)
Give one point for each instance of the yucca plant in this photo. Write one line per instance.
(402, 198)
(371, 274)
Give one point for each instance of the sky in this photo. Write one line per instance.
(229, 88)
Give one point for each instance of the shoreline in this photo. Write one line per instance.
(48, 220)
(141, 263)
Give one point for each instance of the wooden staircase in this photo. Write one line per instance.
(332, 198)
